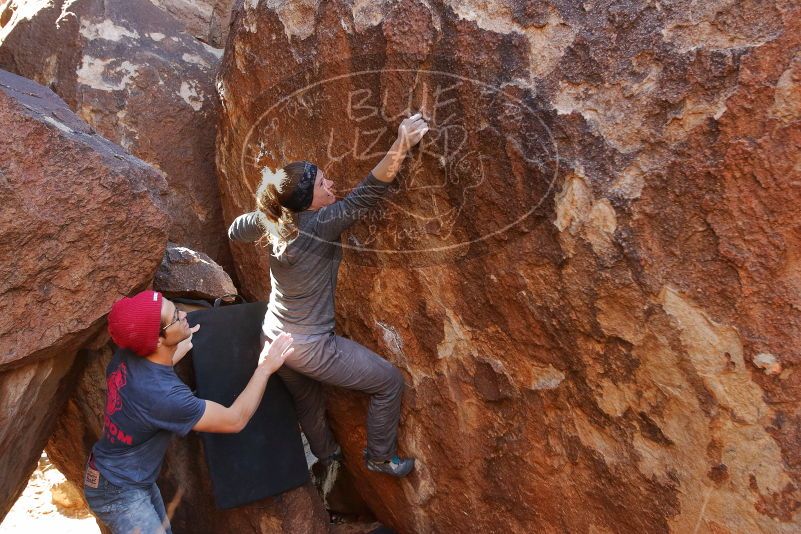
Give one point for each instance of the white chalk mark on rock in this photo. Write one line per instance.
(392, 339)
(61, 126)
(768, 363)
(93, 72)
(195, 59)
(107, 30)
(548, 378)
(190, 94)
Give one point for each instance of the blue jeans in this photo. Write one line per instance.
(128, 509)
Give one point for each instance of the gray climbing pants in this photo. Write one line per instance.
(334, 360)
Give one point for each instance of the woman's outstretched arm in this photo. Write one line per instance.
(334, 219)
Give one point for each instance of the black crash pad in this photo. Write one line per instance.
(267, 457)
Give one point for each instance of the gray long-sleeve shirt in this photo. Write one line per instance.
(303, 278)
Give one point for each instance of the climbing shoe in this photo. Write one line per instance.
(336, 456)
(396, 467)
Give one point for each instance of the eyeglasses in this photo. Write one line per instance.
(175, 319)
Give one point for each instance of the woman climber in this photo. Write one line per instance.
(303, 220)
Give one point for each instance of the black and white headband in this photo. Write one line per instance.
(302, 196)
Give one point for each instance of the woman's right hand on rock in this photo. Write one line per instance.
(411, 130)
(274, 354)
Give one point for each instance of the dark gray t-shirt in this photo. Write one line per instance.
(303, 278)
(146, 403)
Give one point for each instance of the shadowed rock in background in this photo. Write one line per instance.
(131, 71)
(189, 274)
(207, 20)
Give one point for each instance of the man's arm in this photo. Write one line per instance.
(217, 418)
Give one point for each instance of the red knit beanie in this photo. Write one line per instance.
(134, 323)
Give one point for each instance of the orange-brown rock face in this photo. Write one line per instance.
(81, 224)
(588, 271)
(131, 71)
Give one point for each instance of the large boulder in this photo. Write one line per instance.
(130, 71)
(599, 330)
(82, 223)
(207, 20)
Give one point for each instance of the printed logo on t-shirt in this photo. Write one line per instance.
(116, 381)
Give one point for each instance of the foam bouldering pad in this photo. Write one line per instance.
(267, 457)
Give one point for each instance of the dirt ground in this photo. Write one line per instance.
(49, 504)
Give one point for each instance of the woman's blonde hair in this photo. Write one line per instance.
(275, 189)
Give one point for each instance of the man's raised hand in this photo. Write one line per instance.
(273, 354)
(184, 346)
